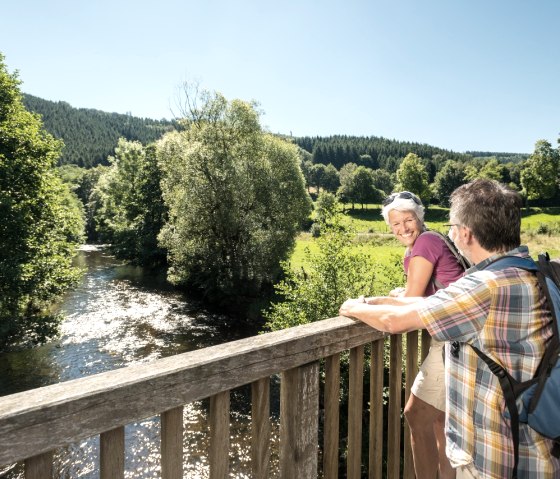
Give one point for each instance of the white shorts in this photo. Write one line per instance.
(429, 384)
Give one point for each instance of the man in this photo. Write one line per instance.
(503, 313)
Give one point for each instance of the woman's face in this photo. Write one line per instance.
(405, 226)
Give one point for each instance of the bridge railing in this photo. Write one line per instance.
(33, 424)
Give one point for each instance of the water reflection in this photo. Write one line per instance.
(120, 315)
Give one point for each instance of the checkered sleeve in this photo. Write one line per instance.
(459, 311)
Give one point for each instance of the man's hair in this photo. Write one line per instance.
(492, 211)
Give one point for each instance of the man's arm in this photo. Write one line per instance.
(398, 317)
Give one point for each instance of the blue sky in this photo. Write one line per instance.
(459, 74)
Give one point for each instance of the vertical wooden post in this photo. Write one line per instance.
(395, 389)
(39, 467)
(411, 372)
(260, 426)
(376, 411)
(111, 455)
(426, 340)
(219, 435)
(299, 408)
(332, 417)
(172, 444)
(355, 407)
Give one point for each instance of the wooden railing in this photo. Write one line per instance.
(33, 424)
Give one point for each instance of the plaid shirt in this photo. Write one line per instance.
(503, 314)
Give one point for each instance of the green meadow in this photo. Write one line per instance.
(540, 230)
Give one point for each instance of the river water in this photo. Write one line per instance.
(120, 315)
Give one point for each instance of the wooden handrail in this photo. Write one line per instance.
(35, 423)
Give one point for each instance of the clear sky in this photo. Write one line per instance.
(463, 75)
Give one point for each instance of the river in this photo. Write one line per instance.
(117, 316)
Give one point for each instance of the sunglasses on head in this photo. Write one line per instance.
(405, 195)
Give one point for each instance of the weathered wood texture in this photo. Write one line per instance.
(332, 417)
(376, 412)
(172, 443)
(299, 424)
(39, 467)
(260, 428)
(37, 421)
(394, 426)
(219, 436)
(111, 447)
(355, 408)
(411, 371)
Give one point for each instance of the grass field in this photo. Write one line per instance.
(540, 230)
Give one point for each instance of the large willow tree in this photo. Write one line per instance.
(39, 224)
(236, 198)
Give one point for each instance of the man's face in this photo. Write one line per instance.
(455, 236)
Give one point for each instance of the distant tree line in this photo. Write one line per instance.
(433, 178)
(89, 135)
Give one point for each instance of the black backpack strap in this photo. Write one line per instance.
(510, 391)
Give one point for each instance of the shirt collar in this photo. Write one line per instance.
(522, 251)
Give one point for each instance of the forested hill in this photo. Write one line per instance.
(373, 152)
(90, 136)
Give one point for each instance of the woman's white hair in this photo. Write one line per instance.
(403, 204)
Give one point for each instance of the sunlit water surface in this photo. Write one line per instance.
(118, 316)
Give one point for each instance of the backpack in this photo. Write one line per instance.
(540, 396)
(464, 262)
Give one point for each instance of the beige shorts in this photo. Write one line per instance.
(429, 384)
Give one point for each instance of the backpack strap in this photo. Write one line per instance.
(511, 388)
(464, 262)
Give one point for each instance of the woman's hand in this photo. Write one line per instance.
(346, 307)
(397, 292)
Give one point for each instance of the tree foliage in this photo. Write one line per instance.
(412, 176)
(41, 224)
(451, 176)
(236, 197)
(337, 271)
(129, 210)
(540, 175)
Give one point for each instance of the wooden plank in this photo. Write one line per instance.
(332, 417)
(426, 340)
(111, 454)
(375, 470)
(261, 428)
(394, 421)
(172, 444)
(39, 467)
(43, 419)
(355, 407)
(299, 422)
(411, 372)
(219, 436)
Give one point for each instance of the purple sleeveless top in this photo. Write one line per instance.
(433, 248)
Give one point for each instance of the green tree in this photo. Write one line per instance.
(539, 176)
(318, 172)
(130, 211)
(326, 207)
(236, 198)
(451, 176)
(345, 175)
(40, 225)
(331, 180)
(363, 187)
(383, 180)
(412, 176)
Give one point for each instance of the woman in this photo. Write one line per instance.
(427, 262)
